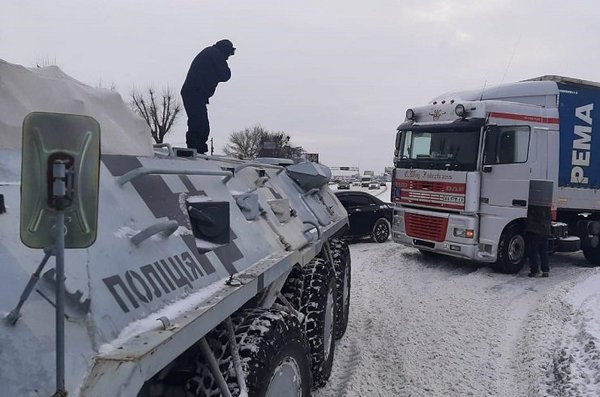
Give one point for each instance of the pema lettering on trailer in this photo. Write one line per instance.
(582, 139)
(153, 280)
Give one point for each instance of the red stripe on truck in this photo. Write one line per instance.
(524, 117)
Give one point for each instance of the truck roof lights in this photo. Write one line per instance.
(460, 110)
(410, 114)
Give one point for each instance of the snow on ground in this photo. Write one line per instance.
(432, 326)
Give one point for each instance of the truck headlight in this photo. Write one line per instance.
(460, 110)
(464, 233)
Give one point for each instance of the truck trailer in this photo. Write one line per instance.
(469, 163)
(177, 274)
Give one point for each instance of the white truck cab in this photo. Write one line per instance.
(464, 166)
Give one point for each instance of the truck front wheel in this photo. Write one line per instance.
(511, 250)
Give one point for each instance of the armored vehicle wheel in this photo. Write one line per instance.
(316, 285)
(381, 231)
(342, 264)
(318, 305)
(511, 250)
(273, 351)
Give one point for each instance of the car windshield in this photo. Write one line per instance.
(439, 150)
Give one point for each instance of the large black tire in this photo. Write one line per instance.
(272, 347)
(312, 290)
(274, 354)
(381, 230)
(343, 277)
(511, 250)
(592, 255)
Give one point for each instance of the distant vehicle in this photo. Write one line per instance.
(382, 183)
(343, 185)
(368, 215)
(365, 181)
(356, 183)
(373, 186)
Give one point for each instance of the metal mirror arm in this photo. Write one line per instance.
(12, 317)
(59, 190)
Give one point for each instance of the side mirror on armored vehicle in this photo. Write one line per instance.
(59, 172)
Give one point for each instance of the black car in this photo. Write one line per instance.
(368, 215)
(343, 185)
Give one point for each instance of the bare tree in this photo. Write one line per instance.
(278, 144)
(258, 142)
(245, 144)
(159, 112)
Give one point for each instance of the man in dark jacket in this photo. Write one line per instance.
(537, 231)
(208, 69)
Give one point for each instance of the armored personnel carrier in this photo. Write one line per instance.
(177, 274)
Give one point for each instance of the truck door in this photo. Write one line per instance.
(507, 161)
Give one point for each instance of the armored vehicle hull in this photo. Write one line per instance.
(196, 259)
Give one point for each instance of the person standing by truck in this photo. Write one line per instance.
(537, 230)
(207, 70)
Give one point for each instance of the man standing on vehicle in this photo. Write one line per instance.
(207, 70)
(538, 227)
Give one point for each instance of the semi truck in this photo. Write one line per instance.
(468, 163)
(129, 269)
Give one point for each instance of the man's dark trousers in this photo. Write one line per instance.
(198, 127)
(537, 244)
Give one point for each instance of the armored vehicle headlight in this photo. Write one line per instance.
(460, 110)
(410, 114)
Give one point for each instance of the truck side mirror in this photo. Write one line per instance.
(66, 148)
(487, 169)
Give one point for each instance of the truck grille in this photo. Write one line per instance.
(426, 227)
(449, 195)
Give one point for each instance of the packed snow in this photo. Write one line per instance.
(422, 326)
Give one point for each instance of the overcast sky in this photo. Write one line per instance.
(337, 75)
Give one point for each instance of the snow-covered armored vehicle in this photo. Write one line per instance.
(208, 275)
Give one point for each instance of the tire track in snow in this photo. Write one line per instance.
(440, 327)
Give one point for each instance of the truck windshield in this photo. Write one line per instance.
(438, 150)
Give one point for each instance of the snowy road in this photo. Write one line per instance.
(439, 327)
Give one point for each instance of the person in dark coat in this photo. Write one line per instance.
(537, 231)
(208, 69)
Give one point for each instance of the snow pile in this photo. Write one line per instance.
(24, 90)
